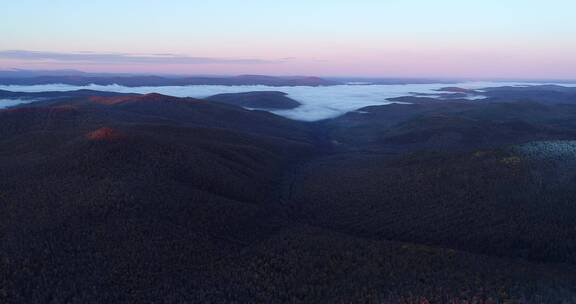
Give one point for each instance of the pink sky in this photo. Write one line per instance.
(410, 38)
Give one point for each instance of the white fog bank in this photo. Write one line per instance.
(6, 103)
(317, 102)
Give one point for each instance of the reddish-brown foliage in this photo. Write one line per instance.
(105, 134)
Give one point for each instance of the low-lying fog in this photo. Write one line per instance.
(317, 102)
(6, 103)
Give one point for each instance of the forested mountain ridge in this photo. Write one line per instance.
(152, 198)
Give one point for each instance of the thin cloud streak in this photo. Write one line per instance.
(124, 58)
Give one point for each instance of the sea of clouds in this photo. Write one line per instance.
(317, 102)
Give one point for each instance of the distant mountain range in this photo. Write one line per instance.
(56, 94)
(81, 79)
(76, 77)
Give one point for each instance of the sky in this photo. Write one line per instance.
(521, 39)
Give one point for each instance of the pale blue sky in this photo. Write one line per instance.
(363, 37)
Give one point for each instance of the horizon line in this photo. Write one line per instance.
(339, 76)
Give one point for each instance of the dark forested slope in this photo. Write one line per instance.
(452, 125)
(257, 100)
(157, 199)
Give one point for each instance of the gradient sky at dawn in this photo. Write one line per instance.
(397, 38)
